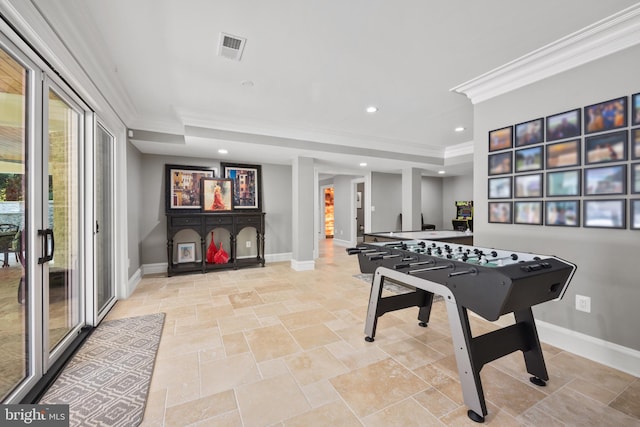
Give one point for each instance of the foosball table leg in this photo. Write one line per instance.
(372, 311)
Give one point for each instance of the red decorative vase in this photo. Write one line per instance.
(212, 250)
(221, 257)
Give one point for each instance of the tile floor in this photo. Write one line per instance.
(271, 346)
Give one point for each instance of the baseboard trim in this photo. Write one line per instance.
(607, 353)
(132, 284)
(159, 267)
(303, 265)
(278, 257)
(345, 243)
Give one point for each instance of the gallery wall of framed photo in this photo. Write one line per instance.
(577, 168)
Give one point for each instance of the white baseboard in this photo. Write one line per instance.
(345, 243)
(159, 267)
(303, 265)
(132, 283)
(613, 355)
(278, 257)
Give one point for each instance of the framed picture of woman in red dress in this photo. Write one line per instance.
(217, 194)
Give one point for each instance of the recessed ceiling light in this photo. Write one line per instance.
(441, 172)
(363, 164)
(222, 151)
(459, 129)
(372, 109)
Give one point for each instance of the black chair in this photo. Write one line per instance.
(426, 226)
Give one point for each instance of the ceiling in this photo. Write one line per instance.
(313, 67)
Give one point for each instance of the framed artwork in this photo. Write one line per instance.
(182, 186)
(501, 139)
(564, 183)
(186, 252)
(529, 159)
(217, 194)
(635, 214)
(500, 188)
(247, 182)
(563, 125)
(635, 111)
(608, 147)
(531, 132)
(564, 213)
(500, 212)
(635, 144)
(528, 185)
(635, 178)
(605, 180)
(604, 213)
(528, 213)
(563, 154)
(500, 163)
(606, 115)
(359, 200)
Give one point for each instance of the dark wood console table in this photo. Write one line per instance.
(203, 224)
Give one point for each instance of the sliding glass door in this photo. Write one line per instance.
(44, 245)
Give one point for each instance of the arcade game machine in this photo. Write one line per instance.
(464, 216)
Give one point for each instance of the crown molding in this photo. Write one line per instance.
(612, 34)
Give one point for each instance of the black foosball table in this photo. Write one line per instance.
(489, 282)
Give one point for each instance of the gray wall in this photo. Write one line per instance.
(152, 220)
(454, 188)
(432, 201)
(386, 197)
(342, 207)
(606, 259)
(134, 190)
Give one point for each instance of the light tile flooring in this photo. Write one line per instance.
(271, 346)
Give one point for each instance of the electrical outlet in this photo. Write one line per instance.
(248, 243)
(583, 303)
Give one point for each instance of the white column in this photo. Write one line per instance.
(303, 213)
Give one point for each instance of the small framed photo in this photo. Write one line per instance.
(608, 147)
(564, 183)
(500, 188)
(501, 139)
(217, 194)
(182, 186)
(528, 213)
(186, 252)
(528, 185)
(500, 212)
(531, 132)
(635, 111)
(606, 115)
(500, 163)
(563, 154)
(635, 144)
(247, 185)
(635, 178)
(605, 180)
(564, 213)
(563, 125)
(529, 159)
(604, 213)
(635, 214)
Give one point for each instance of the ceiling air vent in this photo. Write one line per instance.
(231, 46)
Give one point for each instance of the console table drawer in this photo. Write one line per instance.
(181, 221)
(219, 220)
(251, 220)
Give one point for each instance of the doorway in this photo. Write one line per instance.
(328, 213)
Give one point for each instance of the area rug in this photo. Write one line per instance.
(106, 383)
